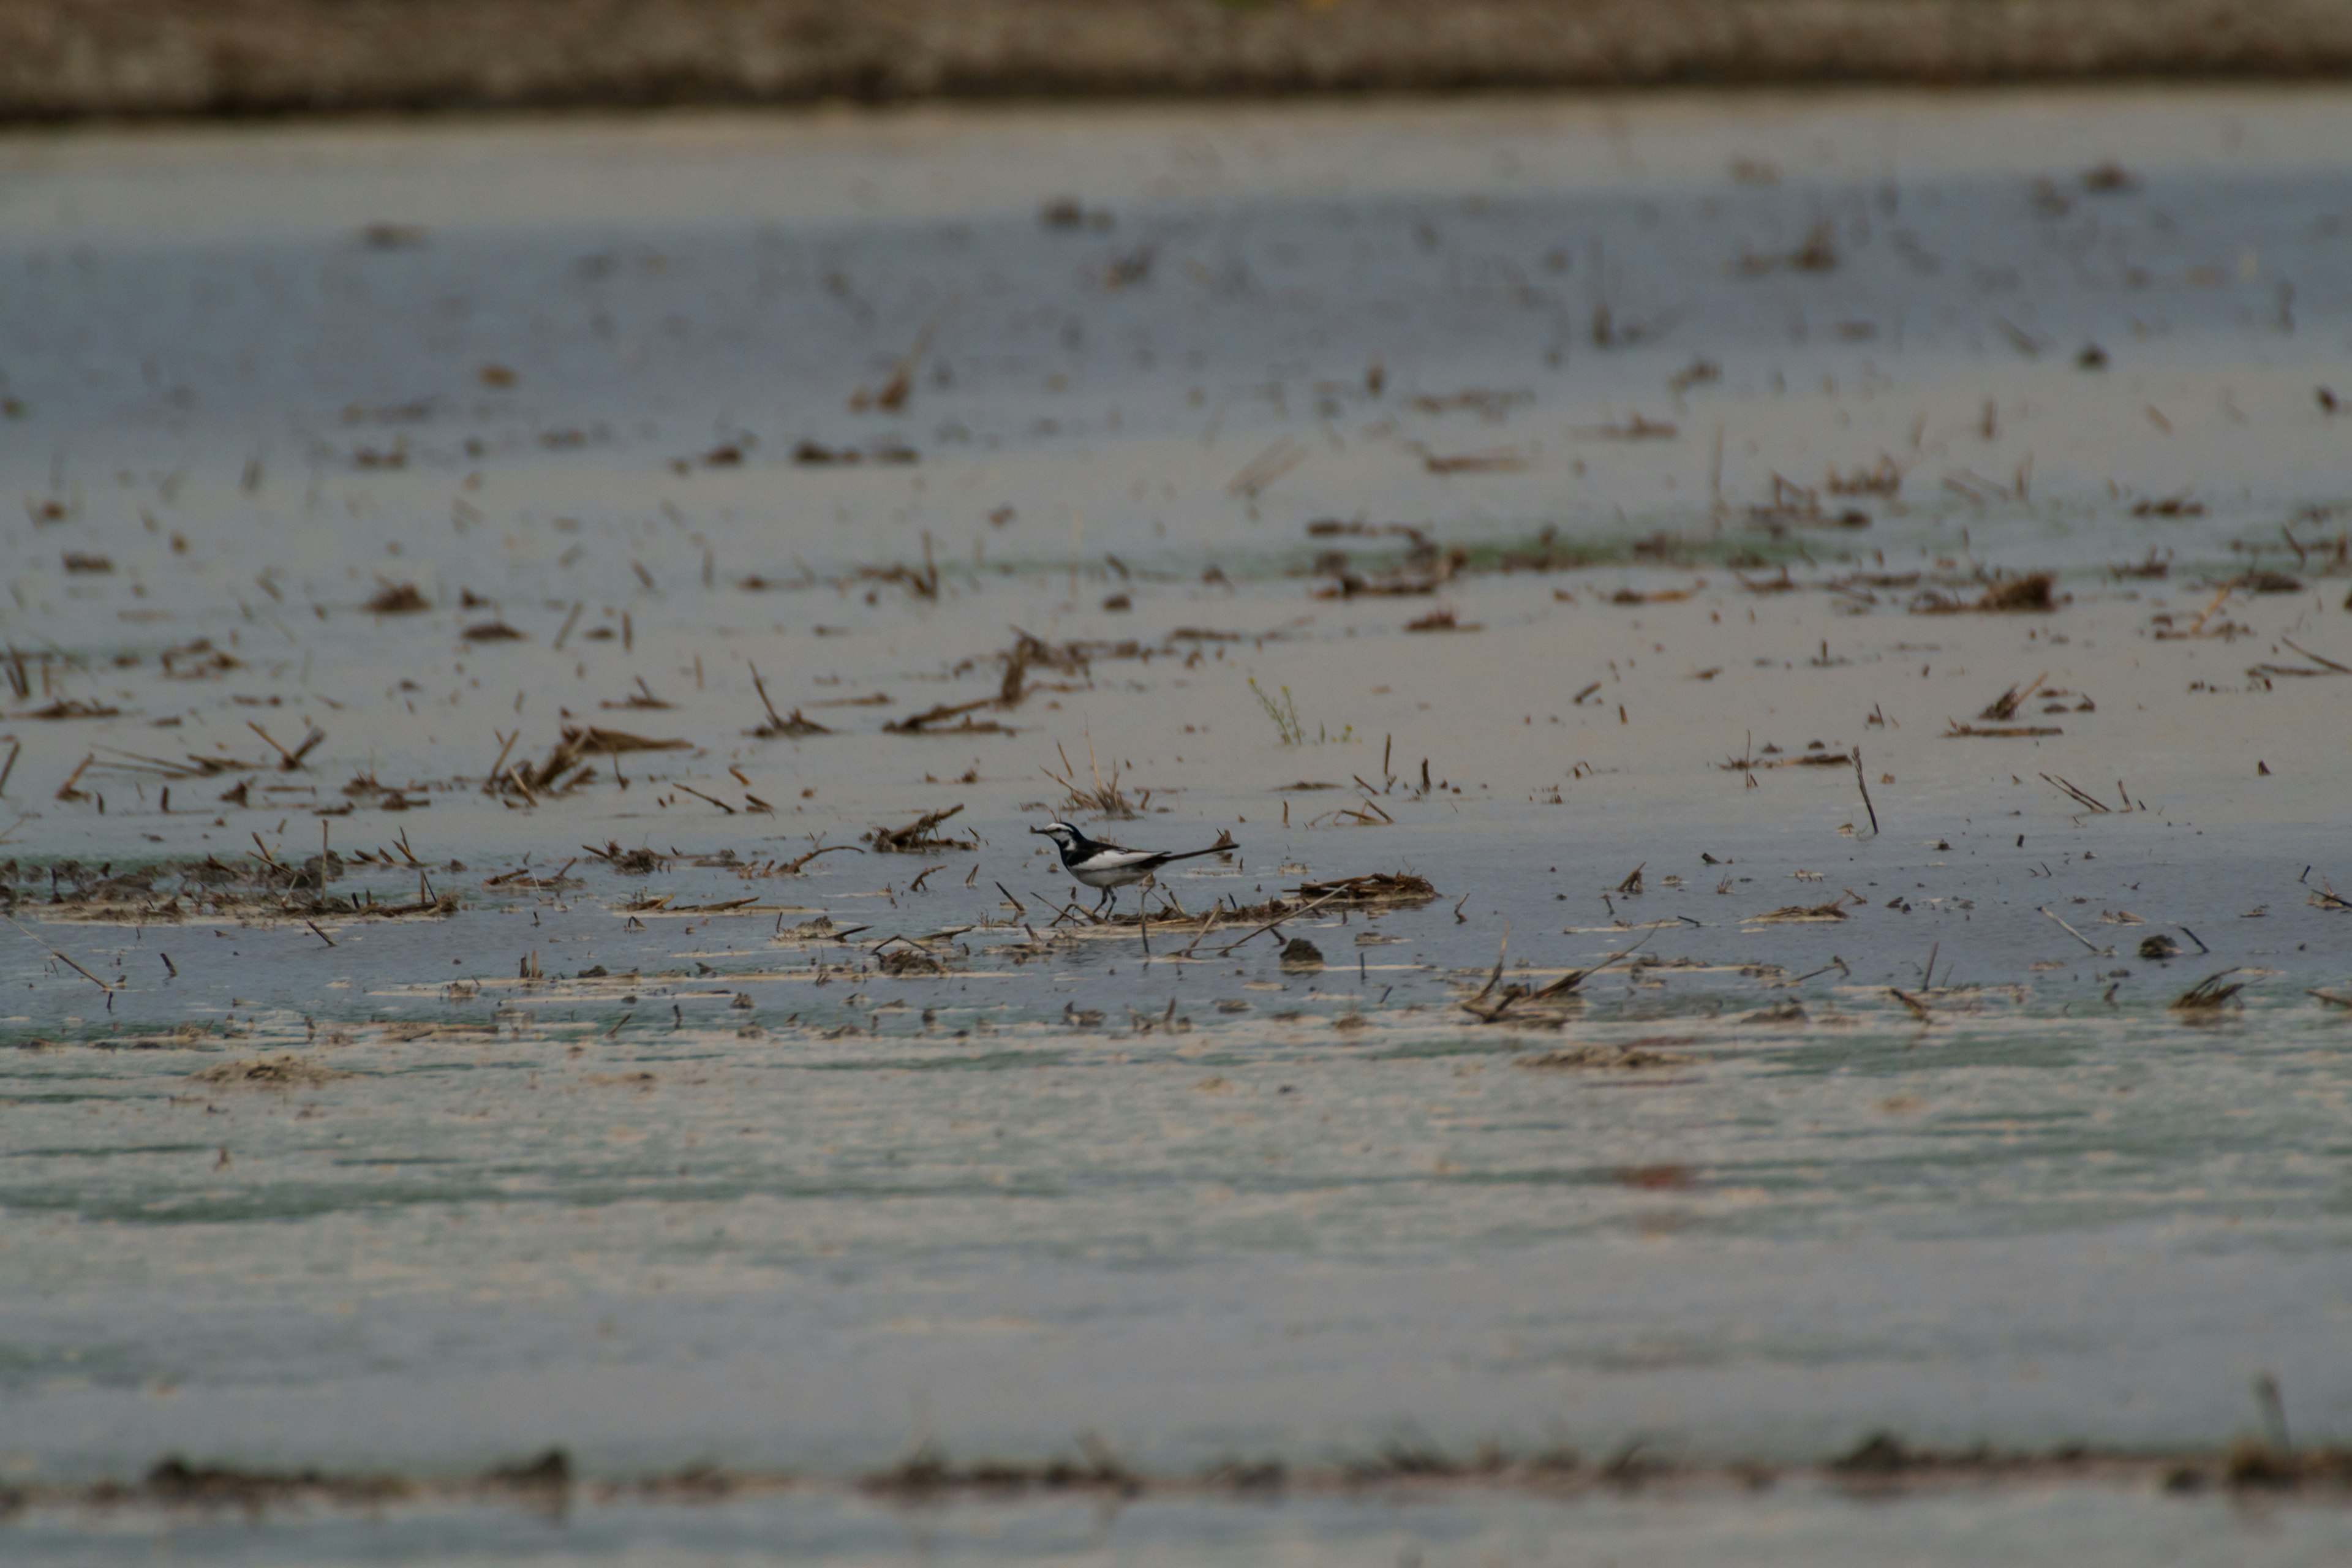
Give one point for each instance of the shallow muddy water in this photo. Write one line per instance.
(1980, 449)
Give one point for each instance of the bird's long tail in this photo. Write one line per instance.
(1224, 842)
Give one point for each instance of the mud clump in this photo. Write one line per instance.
(1301, 956)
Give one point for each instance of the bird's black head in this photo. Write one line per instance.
(1061, 833)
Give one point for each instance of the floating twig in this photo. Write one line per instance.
(2096, 950)
(700, 795)
(61, 958)
(2088, 801)
(2328, 663)
(1290, 915)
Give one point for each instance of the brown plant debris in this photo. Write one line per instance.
(1819, 253)
(1640, 427)
(2004, 707)
(549, 1472)
(792, 727)
(1260, 472)
(640, 701)
(246, 887)
(933, 721)
(1881, 1464)
(922, 583)
(925, 1471)
(269, 1072)
(628, 862)
(1558, 992)
(1655, 595)
(1366, 812)
(175, 1481)
(815, 454)
(193, 767)
(1632, 1056)
(908, 962)
(1030, 651)
(2209, 994)
(1800, 506)
(1488, 404)
(1883, 478)
(2031, 592)
(398, 599)
(1787, 914)
(613, 742)
(290, 762)
(1399, 889)
(565, 758)
(71, 708)
(1105, 799)
(891, 396)
(917, 837)
(197, 660)
(1997, 732)
(1425, 570)
(2081, 797)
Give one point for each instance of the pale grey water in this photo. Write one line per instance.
(2090, 1526)
(865, 1211)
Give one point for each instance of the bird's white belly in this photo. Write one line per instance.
(1110, 875)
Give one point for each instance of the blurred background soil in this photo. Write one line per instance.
(75, 58)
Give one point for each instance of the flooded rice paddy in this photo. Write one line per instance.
(1864, 579)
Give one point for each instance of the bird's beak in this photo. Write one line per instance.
(1037, 830)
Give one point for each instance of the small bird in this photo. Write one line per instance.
(1108, 865)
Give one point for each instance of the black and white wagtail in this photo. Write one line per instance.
(1110, 866)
